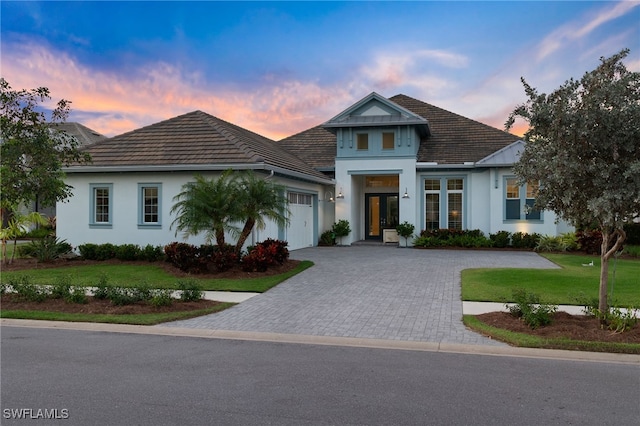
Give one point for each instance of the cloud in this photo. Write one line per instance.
(112, 104)
(579, 29)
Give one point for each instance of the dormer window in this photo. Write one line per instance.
(363, 141)
(388, 140)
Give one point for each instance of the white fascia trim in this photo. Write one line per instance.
(444, 166)
(194, 168)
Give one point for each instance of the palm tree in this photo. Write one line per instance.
(17, 225)
(260, 199)
(209, 206)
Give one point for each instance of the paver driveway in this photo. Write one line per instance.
(369, 292)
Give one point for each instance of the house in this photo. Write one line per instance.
(84, 136)
(378, 163)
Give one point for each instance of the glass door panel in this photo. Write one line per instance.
(373, 216)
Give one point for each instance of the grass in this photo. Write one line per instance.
(566, 286)
(529, 341)
(142, 319)
(125, 275)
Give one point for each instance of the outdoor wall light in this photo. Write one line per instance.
(406, 193)
(340, 194)
(328, 196)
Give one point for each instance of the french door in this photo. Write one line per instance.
(381, 212)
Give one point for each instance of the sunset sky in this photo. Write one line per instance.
(278, 68)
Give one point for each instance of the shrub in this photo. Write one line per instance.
(327, 238)
(278, 248)
(77, 295)
(161, 298)
(341, 228)
(183, 256)
(562, 242)
(121, 296)
(590, 241)
(223, 258)
(632, 250)
(189, 290)
(26, 290)
(528, 307)
(633, 233)
(500, 239)
(88, 251)
(61, 287)
(151, 253)
(127, 252)
(102, 287)
(38, 233)
(524, 240)
(142, 292)
(405, 230)
(614, 318)
(257, 260)
(425, 241)
(46, 249)
(105, 251)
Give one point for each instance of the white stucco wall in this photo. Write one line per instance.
(73, 216)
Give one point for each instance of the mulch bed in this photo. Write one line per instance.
(10, 302)
(564, 325)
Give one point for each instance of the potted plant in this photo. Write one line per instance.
(341, 229)
(405, 230)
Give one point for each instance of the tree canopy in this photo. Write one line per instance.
(583, 146)
(33, 151)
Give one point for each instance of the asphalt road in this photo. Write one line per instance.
(100, 378)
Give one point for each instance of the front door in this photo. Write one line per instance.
(381, 212)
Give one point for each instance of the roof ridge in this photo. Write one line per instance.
(450, 112)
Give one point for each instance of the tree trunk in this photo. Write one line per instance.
(606, 253)
(248, 227)
(220, 237)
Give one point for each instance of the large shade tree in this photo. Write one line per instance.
(33, 150)
(583, 146)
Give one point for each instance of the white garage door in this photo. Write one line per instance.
(300, 231)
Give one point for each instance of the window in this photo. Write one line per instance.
(432, 204)
(363, 141)
(444, 203)
(517, 197)
(101, 205)
(388, 141)
(299, 198)
(149, 204)
(454, 203)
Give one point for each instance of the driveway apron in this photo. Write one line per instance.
(369, 292)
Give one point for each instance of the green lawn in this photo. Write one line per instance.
(125, 275)
(556, 286)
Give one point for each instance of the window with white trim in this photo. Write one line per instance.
(519, 200)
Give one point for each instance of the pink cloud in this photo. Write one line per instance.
(161, 91)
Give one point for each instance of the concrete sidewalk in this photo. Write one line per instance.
(369, 292)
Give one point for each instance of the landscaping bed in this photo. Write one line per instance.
(564, 325)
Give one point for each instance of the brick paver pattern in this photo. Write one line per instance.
(370, 292)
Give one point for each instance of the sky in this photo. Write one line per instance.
(279, 68)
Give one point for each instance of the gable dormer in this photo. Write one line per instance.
(377, 127)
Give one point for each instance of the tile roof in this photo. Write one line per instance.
(194, 139)
(454, 139)
(85, 135)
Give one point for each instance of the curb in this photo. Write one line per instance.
(442, 347)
